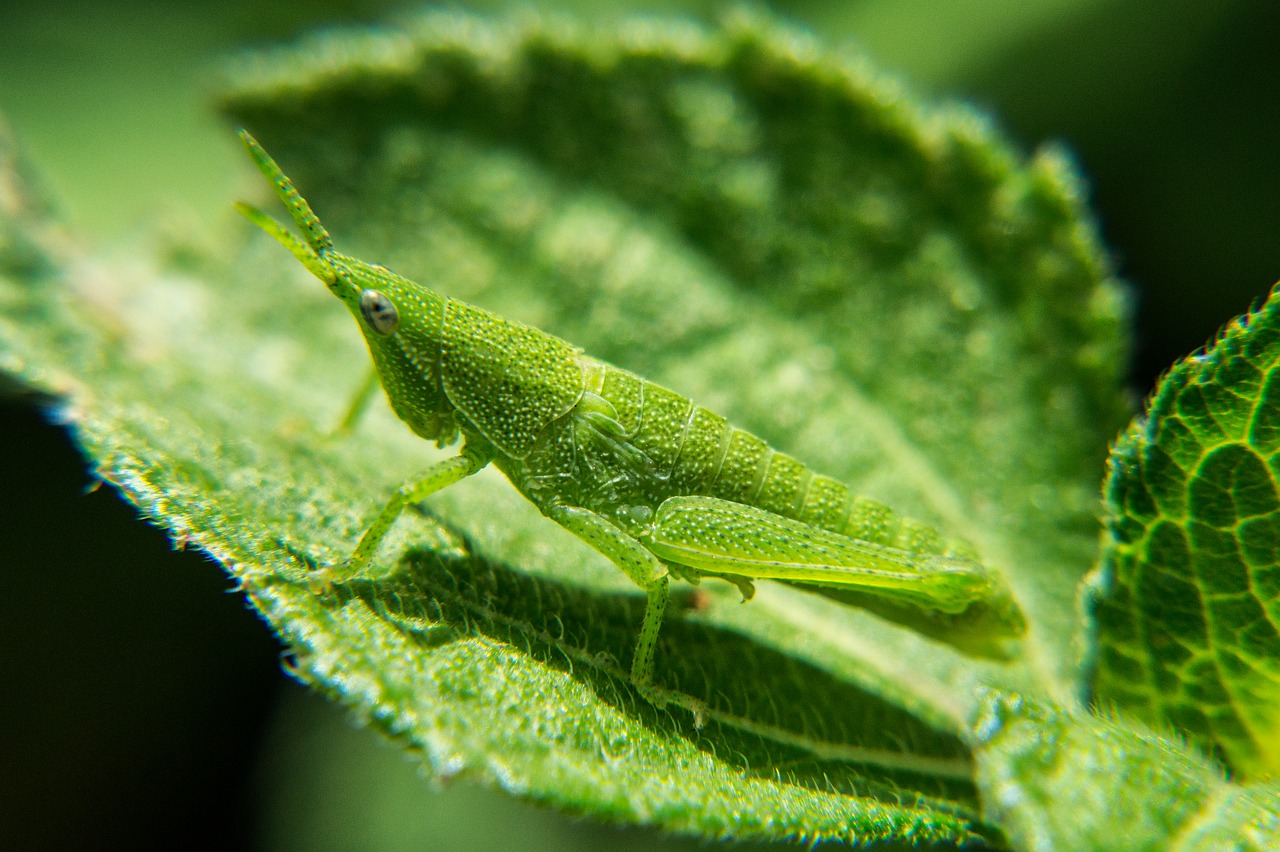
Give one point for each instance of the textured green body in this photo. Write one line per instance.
(657, 484)
(628, 444)
(568, 429)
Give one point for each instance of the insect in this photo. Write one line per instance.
(660, 486)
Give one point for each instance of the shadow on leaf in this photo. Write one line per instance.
(769, 714)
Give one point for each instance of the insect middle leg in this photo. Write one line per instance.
(647, 572)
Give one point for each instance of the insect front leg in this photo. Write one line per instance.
(442, 475)
(647, 572)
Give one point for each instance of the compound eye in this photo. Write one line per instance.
(378, 312)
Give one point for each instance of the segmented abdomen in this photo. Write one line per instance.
(697, 452)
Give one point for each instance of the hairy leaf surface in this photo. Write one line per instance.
(1059, 780)
(883, 291)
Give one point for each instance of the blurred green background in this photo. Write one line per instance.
(144, 706)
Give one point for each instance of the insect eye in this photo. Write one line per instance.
(378, 311)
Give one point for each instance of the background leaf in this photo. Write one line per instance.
(1189, 590)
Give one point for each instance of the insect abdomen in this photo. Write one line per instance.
(789, 488)
(697, 452)
(753, 473)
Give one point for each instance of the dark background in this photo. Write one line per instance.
(141, 700)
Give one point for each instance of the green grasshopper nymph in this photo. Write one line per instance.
(660, 486)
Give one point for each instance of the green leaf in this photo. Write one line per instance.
(882, 290)
(1188, 598)
(1062, 780)
(876, 241)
